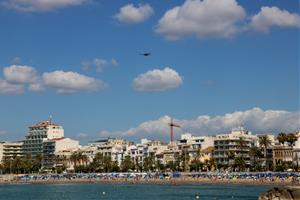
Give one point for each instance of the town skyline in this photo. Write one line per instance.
(162, 125)
(82, 62)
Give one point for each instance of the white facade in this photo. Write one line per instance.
(115, 148)
(52, 147)
(296, 151)
(65, 144)
(197, 141)
(40, 132)
(10, 150)
(225, 143)
(1, 151)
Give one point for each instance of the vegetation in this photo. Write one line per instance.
(264, 143)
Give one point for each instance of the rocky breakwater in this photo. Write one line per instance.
(281, 193)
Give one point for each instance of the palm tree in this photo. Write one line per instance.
(127, 164)
(282, 137)
(76, 158)
(185, 159)
(149, 163)
(199, 154)
(240, 161)
(255, 153)
(107, 164)
(231, 156)
(291, 139)
(98, 163)
(211, 164)
(264, 142)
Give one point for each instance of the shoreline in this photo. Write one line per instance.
(177, 181)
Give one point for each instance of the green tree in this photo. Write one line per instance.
(159, 165)
(264, 143)
(231, 156)
(107, 164)
(127, 164)
(196, 165)
(282, 137)
(36, 163)
(291, 139)
(97, 165)
(149, 163)
(115, 167)
(184, 160)
(240, 163)
(240, 160)
(255, 154)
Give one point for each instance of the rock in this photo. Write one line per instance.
(282, 193)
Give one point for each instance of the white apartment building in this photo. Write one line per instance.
(196, 142)
(196, 146)
(225, 143)
(113, 147)
(52, 147)
(10, 150)
(38, 133)
(296, 151)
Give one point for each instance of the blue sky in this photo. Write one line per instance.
(212, 72)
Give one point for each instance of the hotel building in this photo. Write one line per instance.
(38, 133)
(224, 144)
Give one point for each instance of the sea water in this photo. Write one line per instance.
(140, 191)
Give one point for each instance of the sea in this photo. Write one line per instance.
(126, 191)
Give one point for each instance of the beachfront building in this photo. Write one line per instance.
(171, 154)
(38, 133)
(147, 148)
(156, 149)
(11, 150)
(51, 149)
(194, 146)
(296, 154)
(64, 159)
(113, 147)
(267, 160)
(237, 144)
(282, 157)
(1, 151)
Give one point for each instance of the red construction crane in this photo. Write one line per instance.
(172, 124)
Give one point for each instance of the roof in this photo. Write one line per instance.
(208, 149)
(44, 123)
(57, 139)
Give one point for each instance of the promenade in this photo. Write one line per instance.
(157, 178)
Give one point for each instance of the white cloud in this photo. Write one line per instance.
(38, 86)
(40, 5)
(255, 120)
(20, 74)
(99, 63)
(9, 88)
(158, 80)
(203, 19)
(273, 16)
(70, 82)
(134, 14)
(17, 77)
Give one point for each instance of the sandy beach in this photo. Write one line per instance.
(179, 181)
